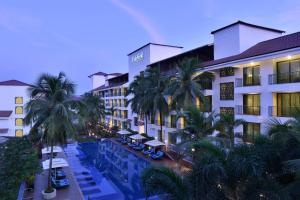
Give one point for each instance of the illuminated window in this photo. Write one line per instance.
(19, 133)
(227, 71)
(19, 122)
(19, 110)
(227, 91)
(19, 100)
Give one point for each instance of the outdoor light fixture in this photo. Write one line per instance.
(193, 149)
(289, 57)
(252, 63)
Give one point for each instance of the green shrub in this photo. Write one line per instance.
(18, 162)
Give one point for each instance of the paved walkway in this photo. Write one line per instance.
(166, 162)
(73, 192)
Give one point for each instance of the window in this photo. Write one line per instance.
(250, 131)
(19, 122)
(287, 103)
(19, 132)
(173, 121)
(227, 91)
(19, 100)
(251, 76)
(172, 138)
(227, 71)
(251, 104)
(206, 105)
(19, 110)
(227, 110)
(288, 71)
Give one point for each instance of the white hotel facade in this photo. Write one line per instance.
(14, 96)
(257, 76)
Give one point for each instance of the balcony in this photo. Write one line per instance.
(253, 81)
(247, 110)
(275, 111)
(171, 124)
(291, 77)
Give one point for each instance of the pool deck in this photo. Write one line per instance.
(73, 192)
(166, 162)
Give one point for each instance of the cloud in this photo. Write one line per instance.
(141, 19)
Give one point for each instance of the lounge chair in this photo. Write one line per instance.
(132, 145)
(147, 152)
(58, 174)
(158, 155)
(139, 147)
(58, 184)
(125, 141)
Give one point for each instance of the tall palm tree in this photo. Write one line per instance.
(141, 103)
(198, 124)
(52, 109)
(226, 124)
(187, 84)
(163, 181)
(112, 111)
(91, 111)
(157, 86)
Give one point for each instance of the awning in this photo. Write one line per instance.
(154, 143)
(56, 162)
(123, 132)
(56, 149)
(137, 137)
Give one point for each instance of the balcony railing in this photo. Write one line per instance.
(247, 110)
(287, 111)
(254, 81)
(291, 77)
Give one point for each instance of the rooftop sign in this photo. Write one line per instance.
(137, 57)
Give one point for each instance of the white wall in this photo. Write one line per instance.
(97, 81)
(7, 102)
(238, 38)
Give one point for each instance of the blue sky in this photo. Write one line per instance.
(81, 37)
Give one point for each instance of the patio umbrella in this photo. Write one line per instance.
(56, 163)
(123, 132)
(155, 143)
(56, 149)
(137, 137)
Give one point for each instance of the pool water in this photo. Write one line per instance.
(105, 170)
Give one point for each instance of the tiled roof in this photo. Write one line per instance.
(5, 113)
(13, 83)
(102, 87)
(248, 24)
(269, 46)
(3, 130)
(105, 74)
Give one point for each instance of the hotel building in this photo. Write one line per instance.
(112, 88)
(12, 104)
(257, 76)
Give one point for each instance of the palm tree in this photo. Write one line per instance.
(112, 111)
(198, 124)
(157, 86)
(163, 181)
(52, 109)
(91, 111)
(187, 84)
(141, 103)
(226, 124)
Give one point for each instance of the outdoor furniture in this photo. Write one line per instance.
(158, 155)
(139, 147)
(58, 174)
(149, 151)
(58, 184)
(125, 141)
(134, 144)
(47, 150)
(56, 163)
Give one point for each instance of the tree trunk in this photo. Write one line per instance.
(50, 168)
(146, 125)
(161, 127)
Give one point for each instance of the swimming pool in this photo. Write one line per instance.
(105, 170)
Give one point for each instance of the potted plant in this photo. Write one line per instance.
(49, 193)
(30, 181)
